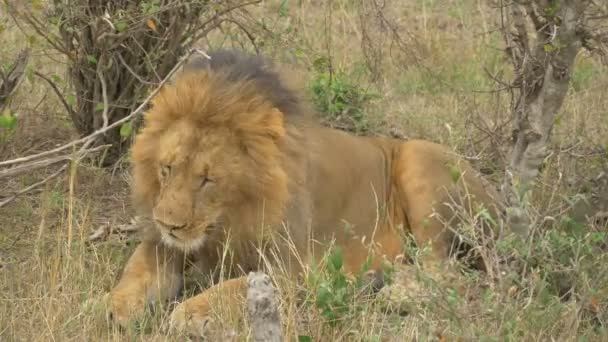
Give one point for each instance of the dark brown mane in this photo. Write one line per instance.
(238, 67)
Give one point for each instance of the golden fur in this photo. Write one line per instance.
(228, 154)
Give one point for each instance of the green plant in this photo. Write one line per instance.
(8, 124)
(335, 294)
(338, 97)
(583, 75)
(333, 291)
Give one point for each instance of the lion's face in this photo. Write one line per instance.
(198, 183)
(194, 176)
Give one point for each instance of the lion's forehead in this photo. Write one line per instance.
(197, 149)
(176, 143)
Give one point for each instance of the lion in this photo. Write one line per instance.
(230, 156)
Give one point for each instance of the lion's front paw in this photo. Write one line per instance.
(191, 318)
(124, 308)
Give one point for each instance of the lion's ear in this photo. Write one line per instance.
(255, 133)
(273, 124)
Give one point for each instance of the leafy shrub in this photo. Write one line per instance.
(337, 296)
(341, 99)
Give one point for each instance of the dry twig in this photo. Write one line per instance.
(13, 77)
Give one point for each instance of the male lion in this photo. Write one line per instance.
(228, 157)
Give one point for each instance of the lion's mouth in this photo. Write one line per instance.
(188, 240)
(182, 234)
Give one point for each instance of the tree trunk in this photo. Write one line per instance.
(543, 81)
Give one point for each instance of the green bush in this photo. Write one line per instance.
(340, 98)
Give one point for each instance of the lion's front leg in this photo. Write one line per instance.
(194, 316)
(154, 272)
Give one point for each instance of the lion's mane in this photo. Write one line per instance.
(232, 92)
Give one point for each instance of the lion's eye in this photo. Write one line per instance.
(165, 171)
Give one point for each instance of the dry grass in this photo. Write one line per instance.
(52, 279)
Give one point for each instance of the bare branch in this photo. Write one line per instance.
(102, 130)
(104, 94)
(57, 92)
(130, 70)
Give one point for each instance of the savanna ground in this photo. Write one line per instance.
(431, 82)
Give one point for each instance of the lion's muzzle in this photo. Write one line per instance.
(170, 226)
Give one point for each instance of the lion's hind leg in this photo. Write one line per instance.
(421, 178)
(428, 188)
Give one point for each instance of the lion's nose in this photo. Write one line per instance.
(170, 225)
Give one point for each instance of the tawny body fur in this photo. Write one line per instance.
(229, 157)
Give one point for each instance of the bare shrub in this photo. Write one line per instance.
(117, 50)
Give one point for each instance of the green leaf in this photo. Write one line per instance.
(558, 121)
(125, 130)
(323, 296)
(71, 100)
(304, 338)
(120, 26)
(283, 8)
(366, 265)
(455, 173)
(99, 107)
(91, 59)
(8, 121)
(56, 78)
(31, 40)
(548, 47)
(29, 73)
(485, 214)
(335, 259)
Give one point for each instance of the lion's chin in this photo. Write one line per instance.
(187, 246)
